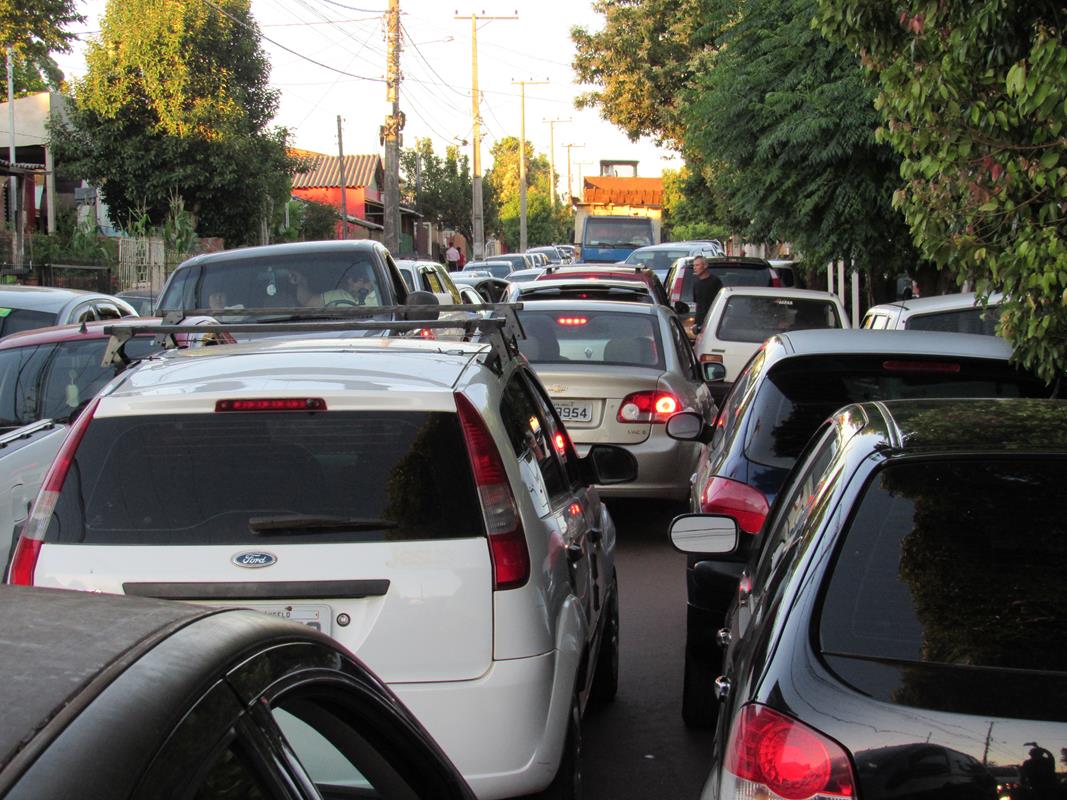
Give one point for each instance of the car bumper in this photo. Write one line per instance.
(500, 730)
(664, 467)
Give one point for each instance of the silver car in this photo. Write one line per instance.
(24, 308)
(615, 372)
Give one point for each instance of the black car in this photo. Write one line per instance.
(491, 288)
(116, 697)
(903, 633)
(788, 388)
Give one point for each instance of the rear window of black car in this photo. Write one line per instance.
(800, 393)
(972, 320)
(15, 320)
(955, 564)
(214, 478)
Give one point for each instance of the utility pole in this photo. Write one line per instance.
(477, 211)
(394, 124)
(552, 155)
(13, 186)
(570, 195)
(522, 159)
(343, 182)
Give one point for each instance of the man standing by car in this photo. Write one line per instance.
(705, 287)
(452, 257)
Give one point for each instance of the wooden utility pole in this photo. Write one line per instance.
(522, 159)
(552, 155)
(14, 201)
(570, 196)
(391, 138)
(477, 211)
(342, 181)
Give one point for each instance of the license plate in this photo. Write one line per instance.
(575, 412)
(317, 617)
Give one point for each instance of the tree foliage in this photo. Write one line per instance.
(440, 186)
(974, 97)
(35, 28)
(33, 74)
(691, 208)
(545, 223)
(176, 97)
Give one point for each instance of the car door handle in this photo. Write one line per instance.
(595, 535)
(724, 637)
(723, 685)
(575, 553)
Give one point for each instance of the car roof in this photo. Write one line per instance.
(286, 249)
(57, 642)
(42, 298)
(780, 291)
(646, 309)
(71, 332)
(941, 302)
(634, 284)
(853, 341)
(411, 262)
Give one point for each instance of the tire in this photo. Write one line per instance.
(567, 784)
(606, 672)
(700, 706)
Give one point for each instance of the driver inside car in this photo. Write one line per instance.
(357, 288)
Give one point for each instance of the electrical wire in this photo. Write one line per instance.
(360, 10)
(428, 64)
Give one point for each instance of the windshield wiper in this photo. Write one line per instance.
(296, 523)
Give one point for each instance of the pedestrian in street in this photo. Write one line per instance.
(705, 287)
(452, 256)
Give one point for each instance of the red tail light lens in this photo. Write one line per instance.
(273, 404)
(920, 366)
(507, 540)
(648, 407)
(735, 499)
(776, 281)
(572, 321)
(676, 286)
(28, 547)
(775, 754)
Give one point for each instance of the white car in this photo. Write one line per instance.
(951, 313)
(742, 317)
(429, 276)
(421, 504)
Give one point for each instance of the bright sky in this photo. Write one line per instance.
(435, 95)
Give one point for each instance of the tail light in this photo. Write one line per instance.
(272, 404)
(920, 366)
(648, 407)
(776, 281)
(676, 285)
(774, 756)
(735, 499)
(710, 358)
(28, 547)
(507, 540)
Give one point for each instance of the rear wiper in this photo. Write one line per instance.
(296, 523)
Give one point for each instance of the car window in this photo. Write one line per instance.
(74, 374)
(557, 434)
(108, 311)
(936, 568)
(83, 313)
(739, 399)
(288, 476)
(971, 320)
(433, 283)
(21, 377)
(14, 320)
(406, 274)
(530, 435)
(592, 337)
(231, 776)
(181, 291)
(685, 350)
(753, 318)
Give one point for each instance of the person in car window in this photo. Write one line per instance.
(705, 287)
(360, 285)
(357, 288)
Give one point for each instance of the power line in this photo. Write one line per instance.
(289, 49)
(353, 8)
(428, 64)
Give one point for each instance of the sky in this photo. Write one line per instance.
(435, 94)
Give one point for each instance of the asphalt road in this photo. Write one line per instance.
(637, 746)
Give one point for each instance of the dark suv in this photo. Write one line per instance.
(731, 270)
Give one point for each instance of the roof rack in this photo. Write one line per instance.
(497, 324)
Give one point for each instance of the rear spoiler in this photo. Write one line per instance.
(497, 324)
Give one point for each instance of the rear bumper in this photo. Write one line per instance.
(504, 731)
(664, 467)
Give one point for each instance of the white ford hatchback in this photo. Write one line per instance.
(417, 500)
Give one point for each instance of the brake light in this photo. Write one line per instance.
(28, 547)
(571, 321)
(561, 443)
(775, 280)
(676, 286)
(735, 499)
(273, 404)
(507, 540)
(649, 406)
(920, 366)
(771, 754)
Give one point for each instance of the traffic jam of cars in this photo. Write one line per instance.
(332, 525)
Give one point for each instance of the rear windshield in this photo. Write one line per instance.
(954, 563)
(269, 478)
(591, 337)
(496, 270)
(753, 319)
(617, 232)
(14, 320)
(638, 294)
(729, 275)
(971, 320)
(799, 394)
(656, 259)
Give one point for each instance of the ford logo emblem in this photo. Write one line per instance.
(254, 559)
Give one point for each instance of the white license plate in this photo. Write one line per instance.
(575, 412)
(317, 617)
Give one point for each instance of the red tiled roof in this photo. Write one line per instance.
(623, 191)
(325, 171)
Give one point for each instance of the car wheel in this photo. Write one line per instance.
(567, 785)
(700, 706)
(606, 672)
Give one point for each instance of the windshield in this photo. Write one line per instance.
(969, 320)
(728, 274)
(656, 259)
(246, 478)
(14, 320)
(496, 270)
(750, 318)
(606, 232)
(591, 337)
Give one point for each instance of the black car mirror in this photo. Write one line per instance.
(422, 314)
(704, 534)
(681, 307)
(714, 372)
(607, 464)
(687, 426)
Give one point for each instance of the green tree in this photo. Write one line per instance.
(546, 222)
(36, 28)
(691, 208)
(974, 98)
(441, 186)
(36, 74)
(176, 97)
(790, 117)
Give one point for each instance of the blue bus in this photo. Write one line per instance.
(612, 239)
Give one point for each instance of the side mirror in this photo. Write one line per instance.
(606, 464)
(680, 307)
(687, 426)
(714, 372)
(704, 534)
(422, 314)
